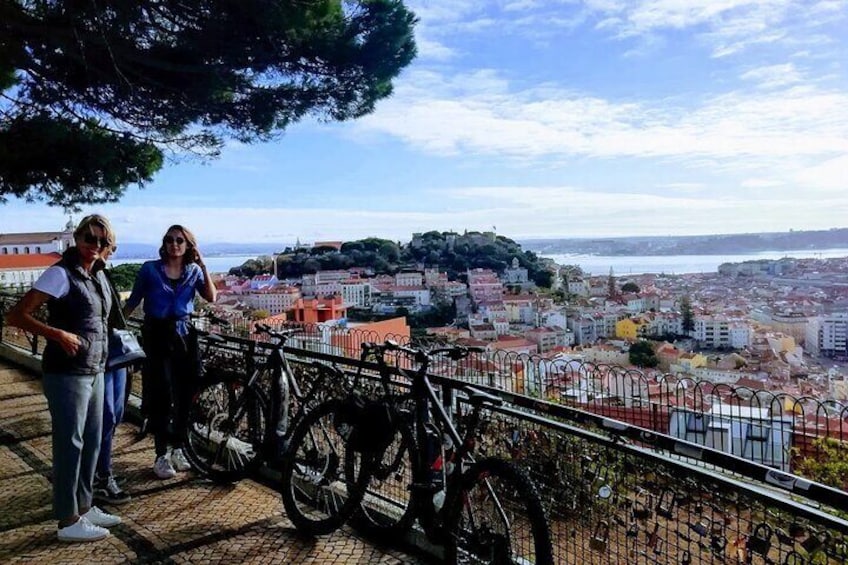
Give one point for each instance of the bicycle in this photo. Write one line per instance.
(233, 424)
(484, 510)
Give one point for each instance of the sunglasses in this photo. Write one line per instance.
(170, 239)
(92, 239)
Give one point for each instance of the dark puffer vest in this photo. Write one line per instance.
(84, 311)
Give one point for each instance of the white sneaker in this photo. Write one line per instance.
(179, 461)
(163, 468)
(99, 518)
(81, 530)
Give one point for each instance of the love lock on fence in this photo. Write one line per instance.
(665, 504)
(600, 537)
(760, 540)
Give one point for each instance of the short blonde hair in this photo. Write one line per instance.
(101, 222)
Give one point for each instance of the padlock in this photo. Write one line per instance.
(797, 530)
(812, 543)
(632, 530)
(700, 527)
(654, 536)
(784, 537)
(718, 544)
(686, 558)
(665, 504)
(760, 540)
(589, 468)
(659, 546)
(600, 537)
(641, 508)
(794, 558)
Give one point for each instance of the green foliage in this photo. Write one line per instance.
(123, 276)
(263, 265)
(431, 249)
(688, 317)
(828, 466)
(642, 354)
(630, 286)
(103, 89)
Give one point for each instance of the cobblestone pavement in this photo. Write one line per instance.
(181, 520)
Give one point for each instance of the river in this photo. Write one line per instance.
(679, 264)
(600, 264)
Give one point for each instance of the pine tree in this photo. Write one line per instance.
(688, 322)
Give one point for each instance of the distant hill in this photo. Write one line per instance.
(147, 251)
(836, 238)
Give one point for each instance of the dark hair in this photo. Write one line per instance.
(191, 244)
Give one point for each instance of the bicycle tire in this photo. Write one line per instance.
(221, 441)
(477, 531)
(316, 494)
(387, 509)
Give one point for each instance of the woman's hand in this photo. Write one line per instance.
(69, 342)
(198, 258)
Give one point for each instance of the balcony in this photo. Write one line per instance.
(631, 469)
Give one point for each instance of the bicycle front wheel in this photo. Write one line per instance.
(498, 518)
(387, 509)
(317, 496)
(226, 426)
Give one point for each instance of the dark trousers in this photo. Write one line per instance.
(169, 377)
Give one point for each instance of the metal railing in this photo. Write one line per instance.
(621, 482)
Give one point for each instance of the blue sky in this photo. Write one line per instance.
(547, 118)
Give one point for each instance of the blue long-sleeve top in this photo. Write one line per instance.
(164, 300)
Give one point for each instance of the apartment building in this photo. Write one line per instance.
(718, 331)
(356, 292)
(484, 285)
(828, 335)
(275, 300)
(550, 338)
(409, 278)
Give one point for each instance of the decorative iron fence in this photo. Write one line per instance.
(627, 474)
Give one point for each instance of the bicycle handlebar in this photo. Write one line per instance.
(455, 352)
(211, 317)
(281, 335)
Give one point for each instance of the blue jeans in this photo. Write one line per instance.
(114, 391)
(76, 413)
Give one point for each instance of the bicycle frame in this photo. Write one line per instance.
(426, 403)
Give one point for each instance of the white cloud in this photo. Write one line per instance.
(773, 76)
(482, 114)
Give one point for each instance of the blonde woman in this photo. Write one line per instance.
(78, 303)
(168, 287)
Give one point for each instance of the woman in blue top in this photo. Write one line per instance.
(168, 287)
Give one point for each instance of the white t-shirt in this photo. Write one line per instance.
(54, 281)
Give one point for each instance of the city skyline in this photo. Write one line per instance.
(563, 118)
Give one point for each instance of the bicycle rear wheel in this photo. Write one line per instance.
(226, 426)
(316, 494)
(498, 518)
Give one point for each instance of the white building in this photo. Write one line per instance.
(273, 300)
(37, 243)
(356, 293)
(828, 335)
(18, 272)
(722, 332)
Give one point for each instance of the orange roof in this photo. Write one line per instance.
(28, 261)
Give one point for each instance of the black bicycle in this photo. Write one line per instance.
(233, 424)
(481, 511)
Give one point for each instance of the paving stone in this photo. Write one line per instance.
(182, 520)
